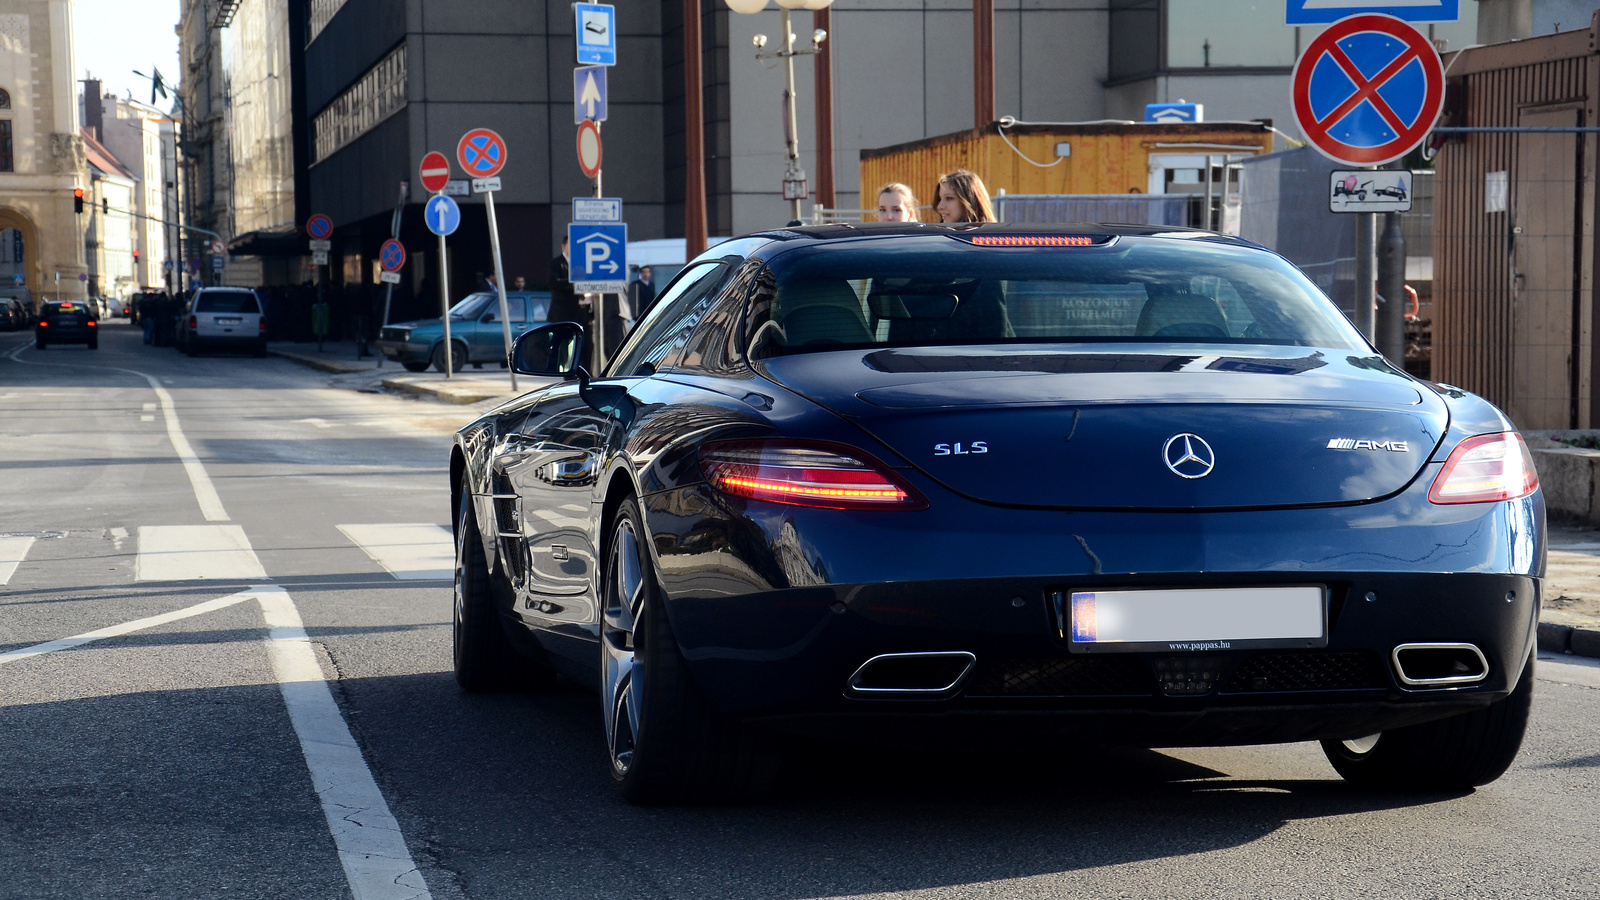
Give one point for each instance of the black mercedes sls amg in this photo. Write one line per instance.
(995, 486)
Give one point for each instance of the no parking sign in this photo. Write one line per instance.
(1368, 89)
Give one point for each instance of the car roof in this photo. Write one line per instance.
(850, 230)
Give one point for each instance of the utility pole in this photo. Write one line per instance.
(982, 63)
(822, 20)
(694, 182)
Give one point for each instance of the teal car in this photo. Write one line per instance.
(476, 333)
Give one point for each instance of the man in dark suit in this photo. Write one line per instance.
(642, 293)
(563, 302)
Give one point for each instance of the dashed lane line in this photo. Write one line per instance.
(408, 552)
(195, 552)
(13, 550)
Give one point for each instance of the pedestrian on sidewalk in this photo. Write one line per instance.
(642, 293)
(896, 203)
(961, 197)
(320, 316)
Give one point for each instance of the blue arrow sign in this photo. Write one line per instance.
(588, 94)
(597, 33)
(1323, 12)
(599, 257)
(443, 215)
(1169, 113)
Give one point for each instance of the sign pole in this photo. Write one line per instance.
(444, 308)
(1366, 272)
(500, 282)
(388, 288)
(599, 303)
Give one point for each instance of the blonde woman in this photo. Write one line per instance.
(961, 197)
(896, 203)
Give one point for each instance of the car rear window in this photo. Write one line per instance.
(227, 302)
(943, 291)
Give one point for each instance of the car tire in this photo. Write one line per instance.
(94, 344)
(39, 344)
(1458, 753)
(484, 659)
(416, 366)
(458, 357)
(190, 349)
(665, 743)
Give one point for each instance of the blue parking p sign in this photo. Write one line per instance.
(599, 257)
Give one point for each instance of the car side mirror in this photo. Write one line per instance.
(487, 318)
(554, 350)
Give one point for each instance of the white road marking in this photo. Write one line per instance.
(147, 418)
(118, 535)
(204, 492)
(371, 848)
(188, 552)
(408, 552)
(13, 550)
(320, 423)
(125, 628)
(149, 407)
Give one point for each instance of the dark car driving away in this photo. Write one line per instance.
(1001, 485)
(66, 322)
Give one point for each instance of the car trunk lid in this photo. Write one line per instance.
(1200, 428)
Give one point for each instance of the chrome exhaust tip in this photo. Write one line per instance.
(936, 672)
(1439, 665)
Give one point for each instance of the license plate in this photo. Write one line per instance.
(228, 320)
(1197, 619)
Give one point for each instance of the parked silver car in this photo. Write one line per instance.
(223, 317)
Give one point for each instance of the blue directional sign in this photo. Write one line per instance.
(599, 257)
(588, 94)
(1169, 113)
(597, 33)
(442, 214)
(1324, 12)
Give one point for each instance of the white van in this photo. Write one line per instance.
(225, 317)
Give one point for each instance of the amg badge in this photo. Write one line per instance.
(1353, 444)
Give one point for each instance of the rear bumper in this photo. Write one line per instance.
(776, 607)
(404, 351)
(55, 334)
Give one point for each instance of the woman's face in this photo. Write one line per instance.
(892, 208)
(949, 205)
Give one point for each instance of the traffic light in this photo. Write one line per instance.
(77, 200)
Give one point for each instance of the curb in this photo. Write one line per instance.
(1555, 638)
(315, 362)
(463, 396)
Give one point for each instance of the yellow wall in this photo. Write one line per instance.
(1104, 159)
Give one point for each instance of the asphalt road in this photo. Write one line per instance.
(200, 755)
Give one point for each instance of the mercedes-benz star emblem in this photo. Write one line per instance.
(1189, 456)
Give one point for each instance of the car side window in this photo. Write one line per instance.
(516, 310)
(670, 314)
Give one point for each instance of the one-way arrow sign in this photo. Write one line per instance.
(588, 94)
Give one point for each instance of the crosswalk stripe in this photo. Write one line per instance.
(412, 552)
(13, 550)
(190, 552)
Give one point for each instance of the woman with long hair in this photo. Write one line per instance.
(896, 203)
(961, 197)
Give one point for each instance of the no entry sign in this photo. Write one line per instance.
(589, 152)
(482, 153)
(435, 172)
(1367, 90)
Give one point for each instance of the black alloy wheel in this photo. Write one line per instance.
(1458, 753)
(664, 742)
(484, 658)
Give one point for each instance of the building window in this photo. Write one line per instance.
(5, 146)
(378, 95)
(5, 99)
(322, 12)
(1203, 34)
(1135, 38)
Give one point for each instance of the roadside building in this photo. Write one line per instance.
(203, 94)
(108, 236)
(41, 153)
(143, 139)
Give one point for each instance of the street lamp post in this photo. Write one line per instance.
(795, 187)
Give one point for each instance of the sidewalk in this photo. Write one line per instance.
(466, 387)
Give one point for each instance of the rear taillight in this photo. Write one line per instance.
(261, 324)
(194, 322)
(92, 323)
(1485, 469)
(805, 473)
(43, 324)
